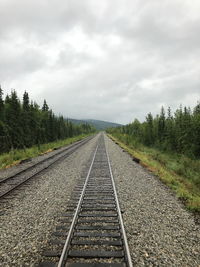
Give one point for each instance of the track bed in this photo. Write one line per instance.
(8, 184)
(92, 230)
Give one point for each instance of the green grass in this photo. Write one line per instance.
(179, 172)
(14, 157)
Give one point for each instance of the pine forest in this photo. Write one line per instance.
(178, 132)
(24, 124)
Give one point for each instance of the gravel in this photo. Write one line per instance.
(160, 231)
(30, 214)
(13, 170)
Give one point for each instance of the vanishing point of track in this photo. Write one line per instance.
(92, 232)
(12, 182)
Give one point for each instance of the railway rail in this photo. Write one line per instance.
(91, 232)
(12, 182)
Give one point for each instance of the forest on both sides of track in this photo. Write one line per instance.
(169, 145)
(24, 124)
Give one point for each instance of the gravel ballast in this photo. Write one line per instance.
(30, 214)
(160, 231)
(13, 170)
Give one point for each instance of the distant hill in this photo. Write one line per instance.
(99, 125)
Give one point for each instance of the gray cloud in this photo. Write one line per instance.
(112, 60)
(16, 64)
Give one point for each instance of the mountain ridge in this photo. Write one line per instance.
(98, 124)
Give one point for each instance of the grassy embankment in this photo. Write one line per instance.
(14, 157)
(179, 172)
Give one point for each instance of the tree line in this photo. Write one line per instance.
(24, 124)
(178, 132)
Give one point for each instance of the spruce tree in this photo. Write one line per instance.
(45, 106)
(170, 132)
(196, 130)
(26, 104)
(161, 126)
(13, 120)
(1, 105)
(149, 138)
(26, 120)
(25, 124)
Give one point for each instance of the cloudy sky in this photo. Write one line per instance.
(113, 60)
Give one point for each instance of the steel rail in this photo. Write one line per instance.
(97, 197)
(127, 252)
(43, 160)
(67, 151)
(63, 256)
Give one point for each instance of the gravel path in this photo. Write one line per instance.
(28, 218)
(160, 232)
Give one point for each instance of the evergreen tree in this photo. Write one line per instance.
(148, 135)
(179, 132)
(161, 126)
(24, 124)
(1, 105)
(13, 120)
(170, 134)
(197, 109)
(196, 130)
(26, 121)
(26, 104)
(45, 106)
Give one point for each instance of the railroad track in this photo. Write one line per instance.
(91, 231)
(12, 182)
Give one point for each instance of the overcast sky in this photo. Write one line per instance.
(112, 60)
